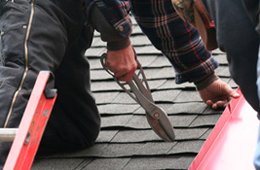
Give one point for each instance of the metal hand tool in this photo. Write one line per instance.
(141, 93)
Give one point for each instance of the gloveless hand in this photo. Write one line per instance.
(122, 63)
(218, 94)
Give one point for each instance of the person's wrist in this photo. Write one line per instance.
(118, 45)
(206, 81)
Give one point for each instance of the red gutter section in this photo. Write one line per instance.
(232, 142)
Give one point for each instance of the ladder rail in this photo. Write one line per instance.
(32, 126)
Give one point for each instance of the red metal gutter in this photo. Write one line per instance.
(232, 142)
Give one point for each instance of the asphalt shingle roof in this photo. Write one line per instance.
(126, 140)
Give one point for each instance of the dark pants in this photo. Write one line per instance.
(47, 35)
(236, 36)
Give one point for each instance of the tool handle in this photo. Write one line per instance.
(146, 104)
(141, 82)
(139, 91)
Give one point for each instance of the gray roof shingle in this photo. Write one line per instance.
(126, 141)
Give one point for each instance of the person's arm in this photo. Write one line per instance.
(115, 31)
(115, 41)
(214, 92)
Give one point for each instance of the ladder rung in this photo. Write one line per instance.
(7, 134)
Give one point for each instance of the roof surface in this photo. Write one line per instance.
(126, 140)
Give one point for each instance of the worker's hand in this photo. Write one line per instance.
(122, 63)
(218, 94)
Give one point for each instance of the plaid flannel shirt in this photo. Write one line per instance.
(177, 40)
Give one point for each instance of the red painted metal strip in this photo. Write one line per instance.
(232, 142)
(36, 115)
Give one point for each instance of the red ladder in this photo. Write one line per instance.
(28, 136)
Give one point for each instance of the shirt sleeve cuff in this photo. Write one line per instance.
(108, 33)
(118, 45)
